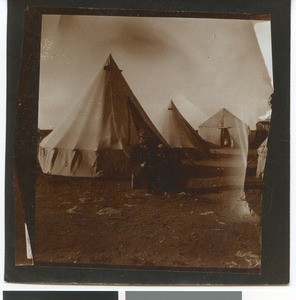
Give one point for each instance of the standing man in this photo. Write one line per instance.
(144, 162)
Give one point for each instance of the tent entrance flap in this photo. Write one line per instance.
(225, 139)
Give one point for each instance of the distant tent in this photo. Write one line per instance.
(180, 134)
(262, 129)
(225, 130)
(266, 117)
(95, 137)
(264, 123)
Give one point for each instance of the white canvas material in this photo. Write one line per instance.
(179, 133)
(262, 155)
(28, 244)
(96, 136)
(210, 130)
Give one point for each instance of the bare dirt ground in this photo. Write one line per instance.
(212, 224)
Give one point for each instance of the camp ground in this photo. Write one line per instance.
(86, 211)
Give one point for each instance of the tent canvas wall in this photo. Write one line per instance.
(96, 135)
(180, 134)
(224, 125)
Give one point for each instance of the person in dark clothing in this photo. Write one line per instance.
(156, 168)
(144, 163)
(162, 170)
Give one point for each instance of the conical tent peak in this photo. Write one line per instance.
(171, 105)
(111, 59)
(111, 64)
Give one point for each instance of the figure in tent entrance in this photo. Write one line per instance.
(225, 138)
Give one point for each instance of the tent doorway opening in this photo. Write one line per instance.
(225, 139)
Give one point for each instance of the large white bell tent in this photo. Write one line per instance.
(95, 137)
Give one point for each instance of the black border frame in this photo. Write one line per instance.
(60, 295)
(24, 30)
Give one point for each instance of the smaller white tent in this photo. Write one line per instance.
(180, 134)
(262, 128)
(224, 126)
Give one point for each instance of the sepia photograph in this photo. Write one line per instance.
(152, 141)
(150, 147)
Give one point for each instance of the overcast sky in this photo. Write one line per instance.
(201, 64)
